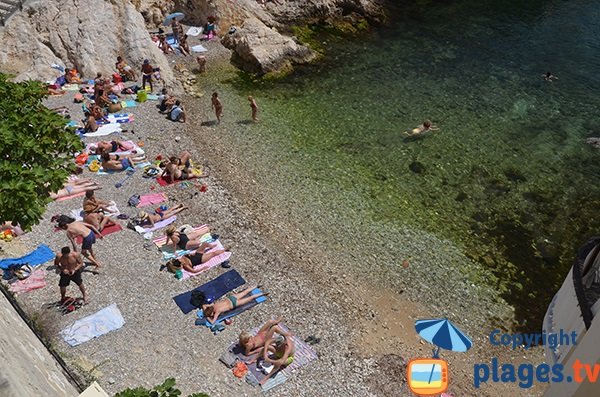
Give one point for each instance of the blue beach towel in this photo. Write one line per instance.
(214, 289)
(41, 254)
(236, 311)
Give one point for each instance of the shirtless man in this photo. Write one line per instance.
(279, 351)
(120, 163)
(217, 106)
(179, 167)
(93, 204)
(125, 69)
(86, 231)
(70, 265)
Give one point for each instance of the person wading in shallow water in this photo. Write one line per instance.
(254, 108)
(217, 106)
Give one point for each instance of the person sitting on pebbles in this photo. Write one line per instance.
(177, 113)
(119, 163)
(213, 310)
(147, 219)
(93, 204)
(179, 168)
(423, 128)
(189, 261)
(255, 344)
(278, 351)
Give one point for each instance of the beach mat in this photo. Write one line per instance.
(41, 254)
(105, 232)
(209, 264)
(167, 252)
(151, 199)
(168, 181)
(214, 289)
(117, 119)
(128, 104)
(236, 311)
(93, 326)
(160, 241)
(303, 355)
(157, 225)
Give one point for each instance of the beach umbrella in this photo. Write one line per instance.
(176, 15)
(443, 334)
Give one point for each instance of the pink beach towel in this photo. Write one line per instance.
(150, 199)
(162, 240)
(212, 262)
(36, 280)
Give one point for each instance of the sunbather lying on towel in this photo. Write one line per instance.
(188, 262)
(119, 163)
(99, 220)
(279, 351)
(111, 147)
(147, 219)
(179, 167)
(179, 240)
(74, 187)
(230, 302)
(255, 344)
(93, 204)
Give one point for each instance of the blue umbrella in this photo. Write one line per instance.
(176, 15)
(443, 334)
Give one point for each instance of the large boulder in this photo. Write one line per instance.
(260, 49)
(86, 34)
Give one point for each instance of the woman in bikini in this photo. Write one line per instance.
(150, 219)
(255, 344)
(213, 310)
(178, 168)
(189, 261)
(111, 147)
(75, 186)
(190, 241)
(119, 163)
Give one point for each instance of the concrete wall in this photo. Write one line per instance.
(26, 368)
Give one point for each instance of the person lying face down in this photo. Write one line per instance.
(119, 163)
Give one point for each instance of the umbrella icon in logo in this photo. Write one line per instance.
(443, 334)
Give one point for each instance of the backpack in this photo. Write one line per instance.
(151, 172)
(197, 298)
(134, 200)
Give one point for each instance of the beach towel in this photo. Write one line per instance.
(168, 181)
(105, 232)
(167, 251)
(128, 104)
(80, 194)
(303, 355)
(41, 254)
(209, 264)
(106, 129)
(157, 225)
(134, 148)
(115, 118)
(93, 326)
(36, 280)
(151, 199)
(199, 48)
(213, 290)
(152, 97)
(162, 240)
(234, 312)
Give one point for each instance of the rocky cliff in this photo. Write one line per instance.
(86, 34)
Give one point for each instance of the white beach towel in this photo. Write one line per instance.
(93, 326)
(194, 31)
(199, 48)
(106, 129)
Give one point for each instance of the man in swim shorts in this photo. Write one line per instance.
(279, 351)
(70, 265)
(86, 232)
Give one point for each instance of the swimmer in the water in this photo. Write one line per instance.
(423, 128)
(549, 76)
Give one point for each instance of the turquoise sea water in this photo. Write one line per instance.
(508, 178)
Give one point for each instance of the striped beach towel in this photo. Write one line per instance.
(212, 262)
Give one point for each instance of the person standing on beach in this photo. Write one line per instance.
(70, 265)
(254, 108)
(217, 106)
(147, 71)
(86, 232)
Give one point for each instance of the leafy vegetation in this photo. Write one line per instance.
(166, 389)
(36, 151)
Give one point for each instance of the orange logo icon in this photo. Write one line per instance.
(427, 376)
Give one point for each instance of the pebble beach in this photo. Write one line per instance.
(327, 277)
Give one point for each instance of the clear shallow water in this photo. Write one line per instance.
(508, 178)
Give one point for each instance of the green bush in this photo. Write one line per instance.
(36, 151)
(167, 389)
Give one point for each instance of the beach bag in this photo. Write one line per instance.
(81, 159)
(197, 298)
(151, 172)
(134, 200)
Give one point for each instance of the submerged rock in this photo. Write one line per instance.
(417, 167)
(260, 49)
